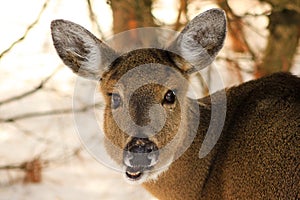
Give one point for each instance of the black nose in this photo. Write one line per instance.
(140, 152)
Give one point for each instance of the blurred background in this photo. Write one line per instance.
(41, 156)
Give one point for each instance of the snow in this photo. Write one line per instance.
(80, 178)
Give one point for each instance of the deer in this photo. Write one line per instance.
(159, 129)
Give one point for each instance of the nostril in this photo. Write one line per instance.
(140, 145)
(149, 148)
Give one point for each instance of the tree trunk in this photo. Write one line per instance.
(284, 26)
(282, 42)
(130, 15)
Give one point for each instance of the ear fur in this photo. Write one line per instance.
(81, 50)
(201, 40)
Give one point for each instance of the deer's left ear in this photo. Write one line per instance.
(80, 50)
(201, 40)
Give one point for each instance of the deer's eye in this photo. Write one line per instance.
(170, 97)
(115, 100)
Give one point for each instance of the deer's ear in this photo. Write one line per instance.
(201, 40)
(81, 50)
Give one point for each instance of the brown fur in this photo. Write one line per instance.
(257, 154)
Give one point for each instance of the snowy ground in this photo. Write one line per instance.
(80, 178)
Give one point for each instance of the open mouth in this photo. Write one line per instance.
(134, 173)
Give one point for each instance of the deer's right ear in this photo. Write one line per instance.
(81, 50)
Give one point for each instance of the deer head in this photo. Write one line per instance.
(147, 114)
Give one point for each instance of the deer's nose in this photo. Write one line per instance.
(140, 153)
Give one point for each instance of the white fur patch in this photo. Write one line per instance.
(192, 51)
(148, 176)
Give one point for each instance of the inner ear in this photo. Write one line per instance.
(80, 50)
(201, 40)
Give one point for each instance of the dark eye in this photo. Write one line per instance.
(169, 97)
(115, 100)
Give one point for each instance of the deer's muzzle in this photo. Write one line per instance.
(140, 154)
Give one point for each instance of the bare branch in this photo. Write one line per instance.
(11, 166)
(235, 27)
(265, 13)
(30, 134)
(234, 60)
(93, 19)
(182, 10)
(48, 113)
(27, 93)
(61, 159)
(44, 162)
(31, 26)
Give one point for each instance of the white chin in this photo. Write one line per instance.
(148, 175)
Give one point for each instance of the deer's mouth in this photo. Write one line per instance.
(134, 173)
(140, 156)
